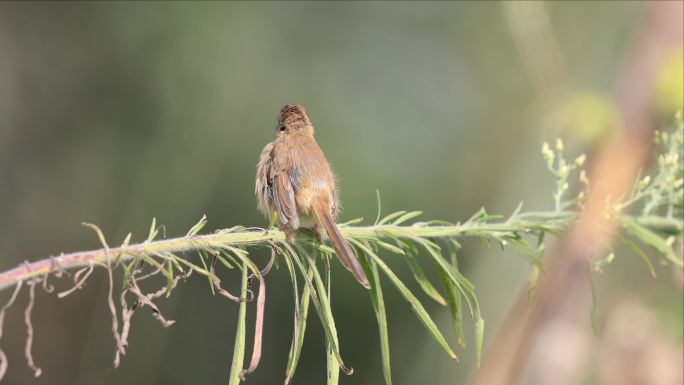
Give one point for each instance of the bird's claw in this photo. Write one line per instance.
(289, 234)
(317, 233)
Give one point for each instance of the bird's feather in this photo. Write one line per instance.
(284, 200)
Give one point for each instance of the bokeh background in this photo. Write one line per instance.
(114, 113)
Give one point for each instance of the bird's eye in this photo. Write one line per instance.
(282, 128)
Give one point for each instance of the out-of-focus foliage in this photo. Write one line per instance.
(669, 85)
(113, 113)
(591, 116)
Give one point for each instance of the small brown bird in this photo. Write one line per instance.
(294, 180)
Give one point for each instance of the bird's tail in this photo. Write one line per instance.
(342, 249)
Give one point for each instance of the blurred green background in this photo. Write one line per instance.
(114, 113)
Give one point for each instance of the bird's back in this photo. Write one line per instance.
(309, 172)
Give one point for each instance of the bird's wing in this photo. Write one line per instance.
(263, 182)
(284, 200)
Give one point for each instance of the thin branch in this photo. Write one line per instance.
(541, 221)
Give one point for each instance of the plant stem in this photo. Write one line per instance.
(540, 221)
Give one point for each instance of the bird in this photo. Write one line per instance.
(295, 184)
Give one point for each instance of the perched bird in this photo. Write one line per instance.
(295, 182)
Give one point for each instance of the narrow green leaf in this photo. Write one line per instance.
(532, 279)
(391, 216)
(127, 240)
(417, 307)
(325, 248)
(632, 246)
(261, 298)
(456, 300)
(371, 269)
(422, 279)
(153, 262)
(239, 347)
(438, 222)
(408, 216)
(388, 246)
(244, 257)
(198, 269)
(405, 246)
(351, 222)
(295, 348)
(99, 233)
(332, 343)
(332, 365)
(128, 270)
(652, 239)
(320, 304)
(377, 195)
(273, 220)
(435, 252)
(479, 338)
(226, 259)
(536, 269)
(453, 298)
(463, 284)
(515, 212)
(525, 250)
(174, 260)
(235, 250)
(478, 216)
(169, 278)
(197, 227)
(594, 302)
(204, 265)
(153, 230)
(258, 322)
(301, 314)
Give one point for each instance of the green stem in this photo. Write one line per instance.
(539, 221)
(239, 347)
